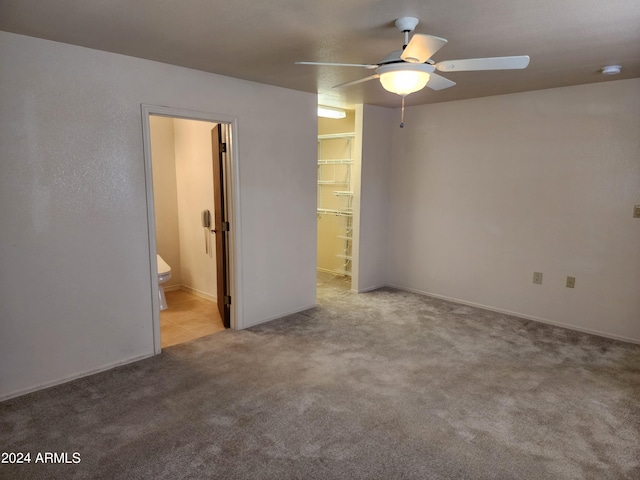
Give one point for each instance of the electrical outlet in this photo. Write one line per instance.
(571, 282)
(636, 211)
(537, 277)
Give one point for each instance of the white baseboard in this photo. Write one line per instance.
(275, 317)
(370, 289)
(325, 270)
(331, 272)
(75, 376)
(199, 293)
(520, 315)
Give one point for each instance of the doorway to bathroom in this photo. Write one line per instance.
(191, 173)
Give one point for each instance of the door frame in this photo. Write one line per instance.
(234, 266)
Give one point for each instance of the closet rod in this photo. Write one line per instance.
(330, 211)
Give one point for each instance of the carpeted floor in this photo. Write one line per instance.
(382, 385)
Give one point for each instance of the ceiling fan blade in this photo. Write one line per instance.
(437, 82)
(491, 63)
(330, 64)
(421, 47)
(365, 79)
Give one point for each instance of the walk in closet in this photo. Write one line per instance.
(335, 202)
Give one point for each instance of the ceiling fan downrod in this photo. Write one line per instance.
(406, 25)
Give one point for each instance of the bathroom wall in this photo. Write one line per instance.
(194, 177)
(165, 194)
(75, 277)
(183, 187)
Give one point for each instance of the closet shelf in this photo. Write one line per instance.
(336, 135)
(331, 211)
(344, 161)
(344, 237)
(343, 193)
(332, 182)
(346, 257)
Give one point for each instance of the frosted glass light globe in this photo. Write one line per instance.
(404, 82)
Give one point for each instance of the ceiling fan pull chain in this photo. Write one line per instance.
(402, 116)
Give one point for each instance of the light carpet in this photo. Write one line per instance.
(382, 385)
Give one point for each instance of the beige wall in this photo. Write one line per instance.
(75, 282)
(194, 176)
(337, 125)
(484, 192)
(165, 193)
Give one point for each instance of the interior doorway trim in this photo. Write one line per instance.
(232, 207)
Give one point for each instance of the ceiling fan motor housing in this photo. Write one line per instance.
(406, 24)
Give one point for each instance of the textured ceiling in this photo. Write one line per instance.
(568, 40)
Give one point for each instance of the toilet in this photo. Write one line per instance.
(164, 274)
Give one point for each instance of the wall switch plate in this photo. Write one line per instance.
(636, 211)
(537, 277)
(571, 282)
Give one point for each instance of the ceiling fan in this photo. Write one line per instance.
(411, 69)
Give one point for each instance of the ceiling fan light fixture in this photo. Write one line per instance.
(330, 112)
(404, 82)
(403, 79)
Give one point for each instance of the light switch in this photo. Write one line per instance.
(636, 211)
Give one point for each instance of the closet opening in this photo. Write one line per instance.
(338, 185)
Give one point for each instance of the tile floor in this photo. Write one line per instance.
(188, 317)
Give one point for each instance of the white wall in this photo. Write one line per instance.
(194, 177)
(75, 291)
(165, 193)
(484, 192)
(376, 125)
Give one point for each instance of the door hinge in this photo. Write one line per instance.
(227, 299)
(223, 147)
(225, 226)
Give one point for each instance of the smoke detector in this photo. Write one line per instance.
(611, 70)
